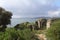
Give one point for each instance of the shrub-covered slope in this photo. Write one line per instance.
(53, 33)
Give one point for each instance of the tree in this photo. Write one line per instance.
(5, 17)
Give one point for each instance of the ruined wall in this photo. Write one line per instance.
(43, 23)
(48, 24)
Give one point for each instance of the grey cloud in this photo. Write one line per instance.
(31, 7)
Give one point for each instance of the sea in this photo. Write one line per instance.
(15, 21)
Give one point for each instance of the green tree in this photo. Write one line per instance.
(5, 17)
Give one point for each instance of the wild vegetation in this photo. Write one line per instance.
(27, 31)
(19, 32)
(53, 33)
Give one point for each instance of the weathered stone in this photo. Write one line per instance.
(41, 36)
(48, 24)
(41, 23)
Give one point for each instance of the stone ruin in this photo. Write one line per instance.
(48, 24)
(43, 23)
(40, 24)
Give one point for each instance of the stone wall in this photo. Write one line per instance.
(43, 23)
(48, 24)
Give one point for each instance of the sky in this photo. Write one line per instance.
(32, 8)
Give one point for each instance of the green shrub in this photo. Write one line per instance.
(12, 34)
(54, 32)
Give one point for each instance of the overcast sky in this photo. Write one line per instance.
(32, 8)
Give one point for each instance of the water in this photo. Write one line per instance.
(15, 21)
